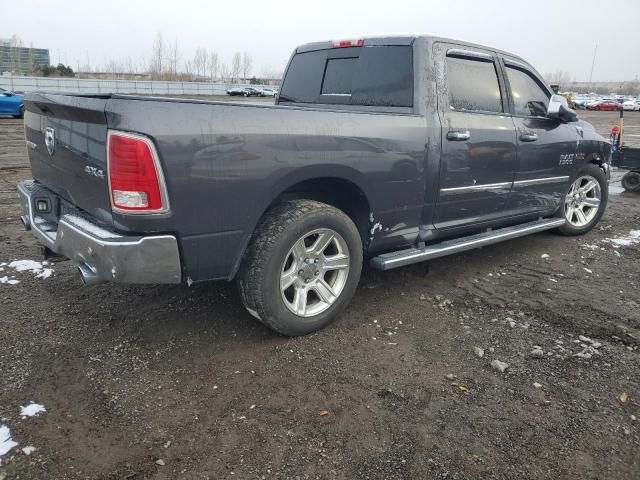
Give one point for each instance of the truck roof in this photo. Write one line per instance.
(399, 39)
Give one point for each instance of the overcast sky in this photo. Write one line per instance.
(552, 35)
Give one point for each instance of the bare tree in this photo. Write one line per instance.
(15, 50)
(174, 59)
(236, 65)
(200, 62)
(157, 65)
(225, 72)
(559, 77)
(213, 65)
(247, 65)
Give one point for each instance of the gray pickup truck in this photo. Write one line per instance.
(394, 149)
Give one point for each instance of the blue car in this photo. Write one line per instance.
(11, 103)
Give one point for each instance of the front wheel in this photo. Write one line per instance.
(20, 113)
(302, 267)
(585, 202)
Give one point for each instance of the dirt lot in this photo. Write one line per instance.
(162, 382)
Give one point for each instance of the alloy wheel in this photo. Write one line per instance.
(582, 202)
(314, 272)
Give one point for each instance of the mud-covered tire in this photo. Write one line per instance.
(631, 181)
(259, 278)
(593, 171)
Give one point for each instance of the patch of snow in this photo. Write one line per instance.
(625, 240)
(32, 410)
(587, 270)
(10, 281)
(40, 269)
(6, 442)
(500, 366)
(545, 255)
(28, 450)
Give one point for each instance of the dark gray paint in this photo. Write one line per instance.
(225, 163)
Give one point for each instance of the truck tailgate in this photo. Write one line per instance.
(66, 138)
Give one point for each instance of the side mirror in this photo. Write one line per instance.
(559, 108)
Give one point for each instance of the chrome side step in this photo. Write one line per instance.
(401, 258)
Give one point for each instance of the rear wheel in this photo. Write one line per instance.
(631, 181)
(302, 267)
(585, 202)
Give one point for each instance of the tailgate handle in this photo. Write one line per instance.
(458, 136)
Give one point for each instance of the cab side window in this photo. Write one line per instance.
(529, 99)
(473, 85)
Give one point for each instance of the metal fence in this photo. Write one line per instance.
(136, 87)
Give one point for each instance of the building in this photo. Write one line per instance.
(21, 60)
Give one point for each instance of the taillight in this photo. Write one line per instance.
(347, 43)
(135, 180)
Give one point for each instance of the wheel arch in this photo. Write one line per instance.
(339, 186)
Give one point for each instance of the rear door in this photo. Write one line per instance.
(546, 146)
(478, 158)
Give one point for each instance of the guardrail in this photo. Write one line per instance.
(136, 87)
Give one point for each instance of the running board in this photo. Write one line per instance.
(401, 258)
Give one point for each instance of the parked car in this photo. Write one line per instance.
(11, 103)
(610, 105)
(244, 91)
(416, 148)
(631, 105)
(580, 103)
(268, 92)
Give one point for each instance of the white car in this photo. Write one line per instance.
(631, 105)
(268, 92)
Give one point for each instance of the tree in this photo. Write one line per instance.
(225, 72)
(213, 65)
(247, 64)
(174, 59)
(158, 54)
(200, 62)
(236, 66)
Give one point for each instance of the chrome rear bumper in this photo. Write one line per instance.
(103, 255)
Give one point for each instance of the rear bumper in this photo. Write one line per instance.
(102, 255)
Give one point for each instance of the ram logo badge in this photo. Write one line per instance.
(93, 171)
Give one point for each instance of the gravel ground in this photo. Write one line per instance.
(163, 382)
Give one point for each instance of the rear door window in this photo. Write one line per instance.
(473, 85)
(369, 76)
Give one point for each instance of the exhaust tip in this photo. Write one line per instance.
(25, 222)
(88, 276)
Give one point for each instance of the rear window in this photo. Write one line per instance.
(370, 76)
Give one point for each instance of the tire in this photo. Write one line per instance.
(579, 198)
(271, 262)
(20, 113)
(631, 181)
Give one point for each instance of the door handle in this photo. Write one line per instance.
(458, 135)
(528, 137)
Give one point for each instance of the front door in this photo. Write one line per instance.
(478, 157)
(546, 146)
